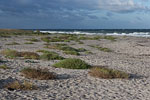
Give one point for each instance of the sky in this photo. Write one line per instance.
(75, 14)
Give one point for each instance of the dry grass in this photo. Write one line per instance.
(106, 73)
(104, 49)
(16, 85)
(13, 43)
(29, 55)
(28, 43)
(13, 54)
(10, 53)
(33, 40)
(40, 74)
(4, 67)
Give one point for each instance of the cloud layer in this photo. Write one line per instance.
(69, 10)
(64, 6)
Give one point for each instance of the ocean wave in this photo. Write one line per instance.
(139, 34)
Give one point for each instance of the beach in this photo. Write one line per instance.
(128, 54)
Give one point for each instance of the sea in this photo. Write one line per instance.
(119, 32)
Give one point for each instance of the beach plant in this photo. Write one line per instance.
(82, 49)
(40, 74)
(50, 55)
(33, 40)
(55, 46)
(72, 63)
(72, 52)
(102, 72)
(13, 54)
(29, 55)
(110, 38)
(46, 39)
(13, 43)
(88, 52)
(67, 48)
(16, 85)
(28, 43)
(102, 48)
(4, 67)
(10, 53)
(80, 42)
(43, 51)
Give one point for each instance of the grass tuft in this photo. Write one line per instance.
(29, 55)
(72, 52)
(106, 73)
(40, 74)
(49, 55)
(102, 48)
(33, 40)
(10, 53)
(13, 43)
(28, 43)
(4, 67)
(72, 63)
(16, 85)
(13, 54)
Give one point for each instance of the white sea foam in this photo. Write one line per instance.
(139, 34)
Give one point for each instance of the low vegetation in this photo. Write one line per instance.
(33, 40)
(49, 55)
(7, 33)
(72, 63)
(102, 48)
(4, 67)
(13, 54)
(65, 48)
(10, 53)
(16, 85)
(40, 74)
(81, 50)
(28, 43)
(111, 38)
(13, 43)
(29, 55)
(106, 73)
(72, 52)
(88, 52)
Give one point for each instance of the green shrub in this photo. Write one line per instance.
(55, 46)
(46, 39)
(72, 52)
(33, 40)
(101, 72)
(88, 52)
(72, 63)
(82, 50)
(51, 56)
(67, 48)
(43, 51)
(110, 38)
(13, 43)
(28, 43)
(102, 49)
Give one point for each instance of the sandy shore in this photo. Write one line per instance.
(130, 54)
